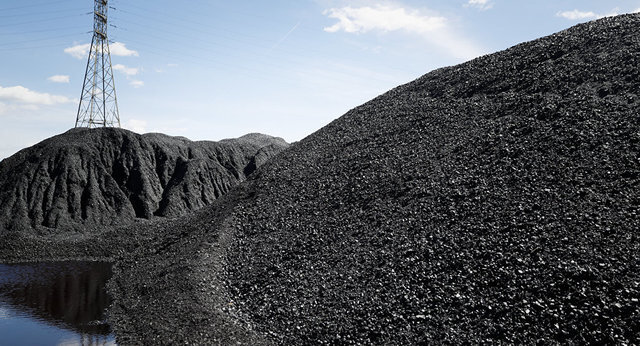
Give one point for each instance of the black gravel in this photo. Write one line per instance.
(493, 201)
(85, 179)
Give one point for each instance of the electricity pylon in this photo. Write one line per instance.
(98, 102)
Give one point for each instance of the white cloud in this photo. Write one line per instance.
(24, 95)
(78, 51)
(81, 51)
(581, 15)
(31, 107)
(136, 83)
(135, 125)
(577, 15)
(120, 49)
(129, 71)
(480, 4)
(59, 79)
(385, 18)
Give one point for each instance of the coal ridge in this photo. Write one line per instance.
(107, 177)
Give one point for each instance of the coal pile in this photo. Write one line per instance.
(84, 178)
(493, 201)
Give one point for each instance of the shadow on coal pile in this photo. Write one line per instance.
(67, 295)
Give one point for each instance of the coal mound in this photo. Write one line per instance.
(87, 178)
(493, 201)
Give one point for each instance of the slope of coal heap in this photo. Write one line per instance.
(496, 200)
(103, 177)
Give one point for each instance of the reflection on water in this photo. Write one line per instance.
(60, 303)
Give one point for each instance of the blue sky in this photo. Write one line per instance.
(208, 69)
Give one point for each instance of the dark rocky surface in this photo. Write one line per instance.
(493, 201)
(86, 179)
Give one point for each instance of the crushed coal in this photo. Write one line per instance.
(88, 178)
(493, 201)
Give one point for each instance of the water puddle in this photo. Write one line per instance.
(57, 303)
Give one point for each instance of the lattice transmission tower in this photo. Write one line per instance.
(98, 102)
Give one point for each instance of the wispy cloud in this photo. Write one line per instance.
(135, 125)
(23, 95)
(18, 108)
(482, 5)
(80, 51)
(170, 65)
(386, 18)
(137, 83)
(582, 15)
(59, 79)
(129, 71)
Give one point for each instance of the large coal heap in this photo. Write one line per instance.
(493, 201)
(88, 178)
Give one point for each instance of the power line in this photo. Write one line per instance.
(28, 48)
(152, 27)
(148, 30)
(32, 14)
(174, 23)
(222, 8)
(38, 39)
(42, 20)
(32, 5)
(201, 28)
(39, 31)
